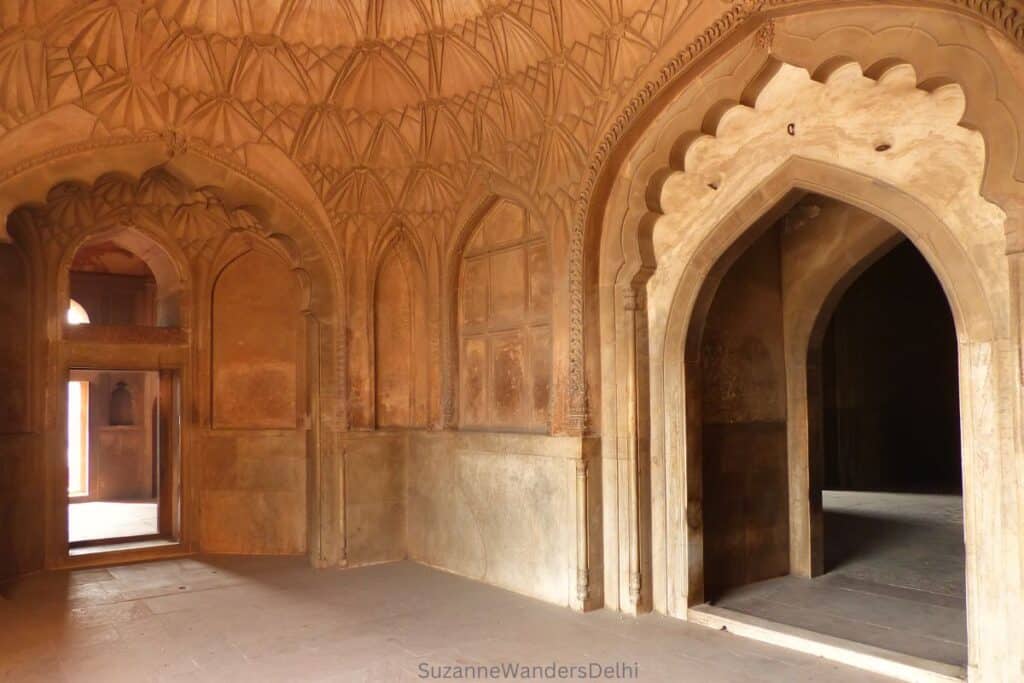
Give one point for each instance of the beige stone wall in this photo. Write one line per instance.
(375, 466)
(22, 477)
(15, 359)
(21, 485)
(251, 491)
(499, 508)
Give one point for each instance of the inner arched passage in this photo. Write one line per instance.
(124, 278)
(891, 472)
(878, 360)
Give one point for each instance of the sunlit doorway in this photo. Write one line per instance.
(78, 420)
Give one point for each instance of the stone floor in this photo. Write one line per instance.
(895, 577)
(98, 520)
(275, 619)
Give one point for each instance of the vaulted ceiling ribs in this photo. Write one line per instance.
(385, 104)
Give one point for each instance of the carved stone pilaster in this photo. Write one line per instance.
(765, 36)
(582, 550)
(632, 303)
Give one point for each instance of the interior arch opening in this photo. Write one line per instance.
(892, 499)
(825, 352)
(123, 278)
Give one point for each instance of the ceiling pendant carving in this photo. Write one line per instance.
(386, 105)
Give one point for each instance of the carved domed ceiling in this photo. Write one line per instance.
(385, 105)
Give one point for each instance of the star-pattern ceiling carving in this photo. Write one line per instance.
(386, 105)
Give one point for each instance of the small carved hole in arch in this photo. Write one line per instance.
(791, 129)
(713, 181)
(883, 147)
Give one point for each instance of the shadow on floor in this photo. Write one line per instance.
(894, 577)
(850, 535)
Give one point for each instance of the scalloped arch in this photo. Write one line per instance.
(731, 61)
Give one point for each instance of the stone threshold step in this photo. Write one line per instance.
(896, 665)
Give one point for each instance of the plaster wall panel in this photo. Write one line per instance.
(474, 294)
(21, 504)
(539, 274)
(375, 486)
(256, 374)
(14, 341)
(402, 352)
(505, 226)
(393, 346)
(508, 288)
(540, 360)
(508, 379)
(253, 484)
(505, 299)
(473, 388)
(21, 473)
(496, 507)
(253, 492)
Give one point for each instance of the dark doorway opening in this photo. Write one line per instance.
(892, 499)
(882, 448)
(891, 398)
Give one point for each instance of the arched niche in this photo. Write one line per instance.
(400, 338)
(258, 349)
(502, 322)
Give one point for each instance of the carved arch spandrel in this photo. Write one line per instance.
(728, 57)
(623, 213)
(695, 155)
(977, 286)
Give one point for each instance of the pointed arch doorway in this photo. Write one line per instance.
(884, 562)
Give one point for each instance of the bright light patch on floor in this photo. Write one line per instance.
(93, 521)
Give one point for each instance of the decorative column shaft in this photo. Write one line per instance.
(582, 554)
(632, 301)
